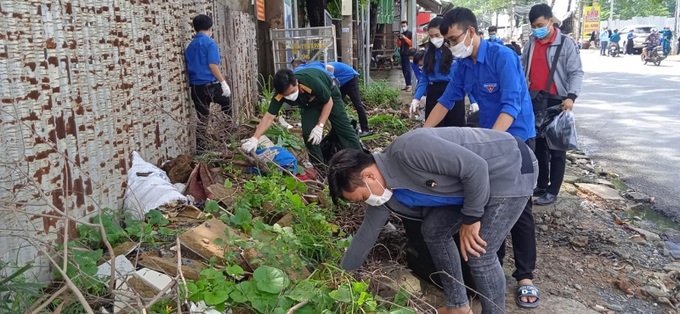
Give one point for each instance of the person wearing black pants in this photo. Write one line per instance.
(351, 89)
(207, 83)
(348, 80)
(551, 164)
(404, 42)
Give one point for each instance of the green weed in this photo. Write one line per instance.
(380, 95)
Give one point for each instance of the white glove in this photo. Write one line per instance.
(226, 92)
(474, 107)
(249, 145)
(316, 135)
(415, 104)
(284, 124)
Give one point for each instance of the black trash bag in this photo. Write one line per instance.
(547, 117)
(560, 134)
(330, 144)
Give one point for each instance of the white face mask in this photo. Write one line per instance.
(460, 50)
(378, 200)
(404, 28)
(293, 96)
(437, 42)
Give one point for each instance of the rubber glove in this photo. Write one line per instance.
(316, 135)
(249, 145)
(226, 91)
(415, 104)
(474, 107)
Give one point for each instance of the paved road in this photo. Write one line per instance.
(628, 117)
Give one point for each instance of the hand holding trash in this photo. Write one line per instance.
(560, 134)
(249, 145)
(316, 135)
(284, 123)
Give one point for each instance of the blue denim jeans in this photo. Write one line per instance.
(439, 225)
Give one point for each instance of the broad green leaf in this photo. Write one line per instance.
(216, 297)
(304, 290)
(342, 294)
(228, 184)
(211, 207)
(235, 270)
(156, 218)
(210, 274)
(359, 286)
(270, 279)
(264, 303)
(241, 217)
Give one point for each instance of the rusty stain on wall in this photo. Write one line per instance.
(82, 85)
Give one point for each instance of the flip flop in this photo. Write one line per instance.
(524, 292)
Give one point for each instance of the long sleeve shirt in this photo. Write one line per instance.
(497, 82)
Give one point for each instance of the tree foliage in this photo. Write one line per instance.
(627, 9)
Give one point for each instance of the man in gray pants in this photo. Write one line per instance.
(476, 181)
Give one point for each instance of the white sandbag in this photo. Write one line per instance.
(148, 187)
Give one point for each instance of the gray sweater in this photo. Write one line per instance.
(473, 163)
(569, 72)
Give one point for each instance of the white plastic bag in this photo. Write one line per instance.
(148, 187)
(560, 134)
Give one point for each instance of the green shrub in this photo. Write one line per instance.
(380, 95)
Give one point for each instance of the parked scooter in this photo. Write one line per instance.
(614, 50)
(655, 56)
(381, 62)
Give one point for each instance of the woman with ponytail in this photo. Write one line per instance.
(438, 67)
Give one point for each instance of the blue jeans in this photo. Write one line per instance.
(603, 47)
(440, 223)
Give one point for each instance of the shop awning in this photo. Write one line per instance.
(434, 6)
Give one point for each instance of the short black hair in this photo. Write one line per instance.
(202, 22)
(412, 52)
(540, 10)
(404, 22)
(283, 79)
(461, 17)
(296, 62)
(418, 56)
(344, 171)
(493, 28)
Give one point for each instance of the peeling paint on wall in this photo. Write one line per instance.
(83, 83)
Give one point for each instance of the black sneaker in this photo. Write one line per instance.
(538, 192)
(364, 133)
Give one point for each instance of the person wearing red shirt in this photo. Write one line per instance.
(538, 57)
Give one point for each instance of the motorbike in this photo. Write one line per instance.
(381, 62)
(614, 50)
(654, 56)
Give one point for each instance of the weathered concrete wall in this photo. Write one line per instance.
(85, 82)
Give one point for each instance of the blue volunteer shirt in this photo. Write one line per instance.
(343, 72)
(410, 198)
(201, 52)
(497, 82)
(436, 76)
(496, 41)
(314, 65)
(417, 71)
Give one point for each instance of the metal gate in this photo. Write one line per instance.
(310, 43)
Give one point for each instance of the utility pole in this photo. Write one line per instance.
(346, 35)
(611, 14)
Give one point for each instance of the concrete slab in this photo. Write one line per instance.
(600, 191)
(122, 265)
